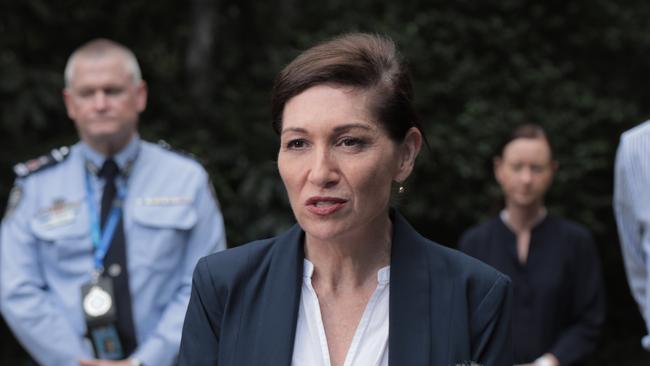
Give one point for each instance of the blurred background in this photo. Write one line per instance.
(579, 68)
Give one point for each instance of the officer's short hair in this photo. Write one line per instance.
(98, 48)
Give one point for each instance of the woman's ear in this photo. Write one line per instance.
(408, 151)
(498, 165)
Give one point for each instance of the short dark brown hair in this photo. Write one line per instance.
(359, 60)
(526, 131)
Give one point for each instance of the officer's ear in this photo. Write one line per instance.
(141, 96)
(69, 104)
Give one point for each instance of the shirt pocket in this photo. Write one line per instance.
(160, 233)
(65, 248)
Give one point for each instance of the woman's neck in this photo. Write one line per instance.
(350, 261)
(524, 218)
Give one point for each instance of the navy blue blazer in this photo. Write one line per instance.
(445, 308)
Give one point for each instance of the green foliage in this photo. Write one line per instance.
(480, 67)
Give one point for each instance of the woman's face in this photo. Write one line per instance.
(525, 171)
(337, 163)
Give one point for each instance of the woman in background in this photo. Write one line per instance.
(559, 306)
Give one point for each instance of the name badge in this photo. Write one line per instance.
(164, 201)
(97, 302)
(59, 214)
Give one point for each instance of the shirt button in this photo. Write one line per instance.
(114, 270)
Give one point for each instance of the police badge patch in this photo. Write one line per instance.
(15, 196)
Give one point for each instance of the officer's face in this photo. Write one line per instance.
(525, 171)
(104, 102)
(338, 164)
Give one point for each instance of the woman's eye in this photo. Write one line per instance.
(350, 141)
(296, 144)
(517, 167)
(537, 168)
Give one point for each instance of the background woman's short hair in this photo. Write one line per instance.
(525, 131)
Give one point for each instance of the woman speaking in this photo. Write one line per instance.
(352, 283)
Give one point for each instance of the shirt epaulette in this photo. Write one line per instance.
(52, 158)
(165, 145)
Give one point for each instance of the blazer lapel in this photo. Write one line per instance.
(420, 300)
(280, 300)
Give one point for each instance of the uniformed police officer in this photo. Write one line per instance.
(100, 239)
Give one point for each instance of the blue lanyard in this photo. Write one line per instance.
(102, 240)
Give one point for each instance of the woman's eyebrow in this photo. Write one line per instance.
(338, 129)
(293, 129)
(350, 126)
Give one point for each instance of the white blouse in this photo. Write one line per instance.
(369, 345)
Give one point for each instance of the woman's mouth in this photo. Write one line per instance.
(323, 206)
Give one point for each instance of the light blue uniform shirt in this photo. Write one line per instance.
(171, 219)
(632, 209)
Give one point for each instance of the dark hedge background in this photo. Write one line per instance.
(579, 68)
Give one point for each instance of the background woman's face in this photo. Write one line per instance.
(336, 162)
(525, 171)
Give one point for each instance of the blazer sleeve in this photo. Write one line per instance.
(200, 339)
(491, 324)
(468, 243)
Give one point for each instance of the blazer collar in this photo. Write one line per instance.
(414, 313)
(280, 306)
(420, 299)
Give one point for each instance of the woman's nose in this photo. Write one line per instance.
(526, 175)
(324, 169)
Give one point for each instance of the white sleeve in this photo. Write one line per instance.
(630, 229)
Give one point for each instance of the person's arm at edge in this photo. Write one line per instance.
(629, 231)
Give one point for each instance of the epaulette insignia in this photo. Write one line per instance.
(165, 145)
(15, 196)
(31, 166)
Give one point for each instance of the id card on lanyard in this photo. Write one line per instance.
(98, 300)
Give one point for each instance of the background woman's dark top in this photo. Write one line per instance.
(559, 302)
